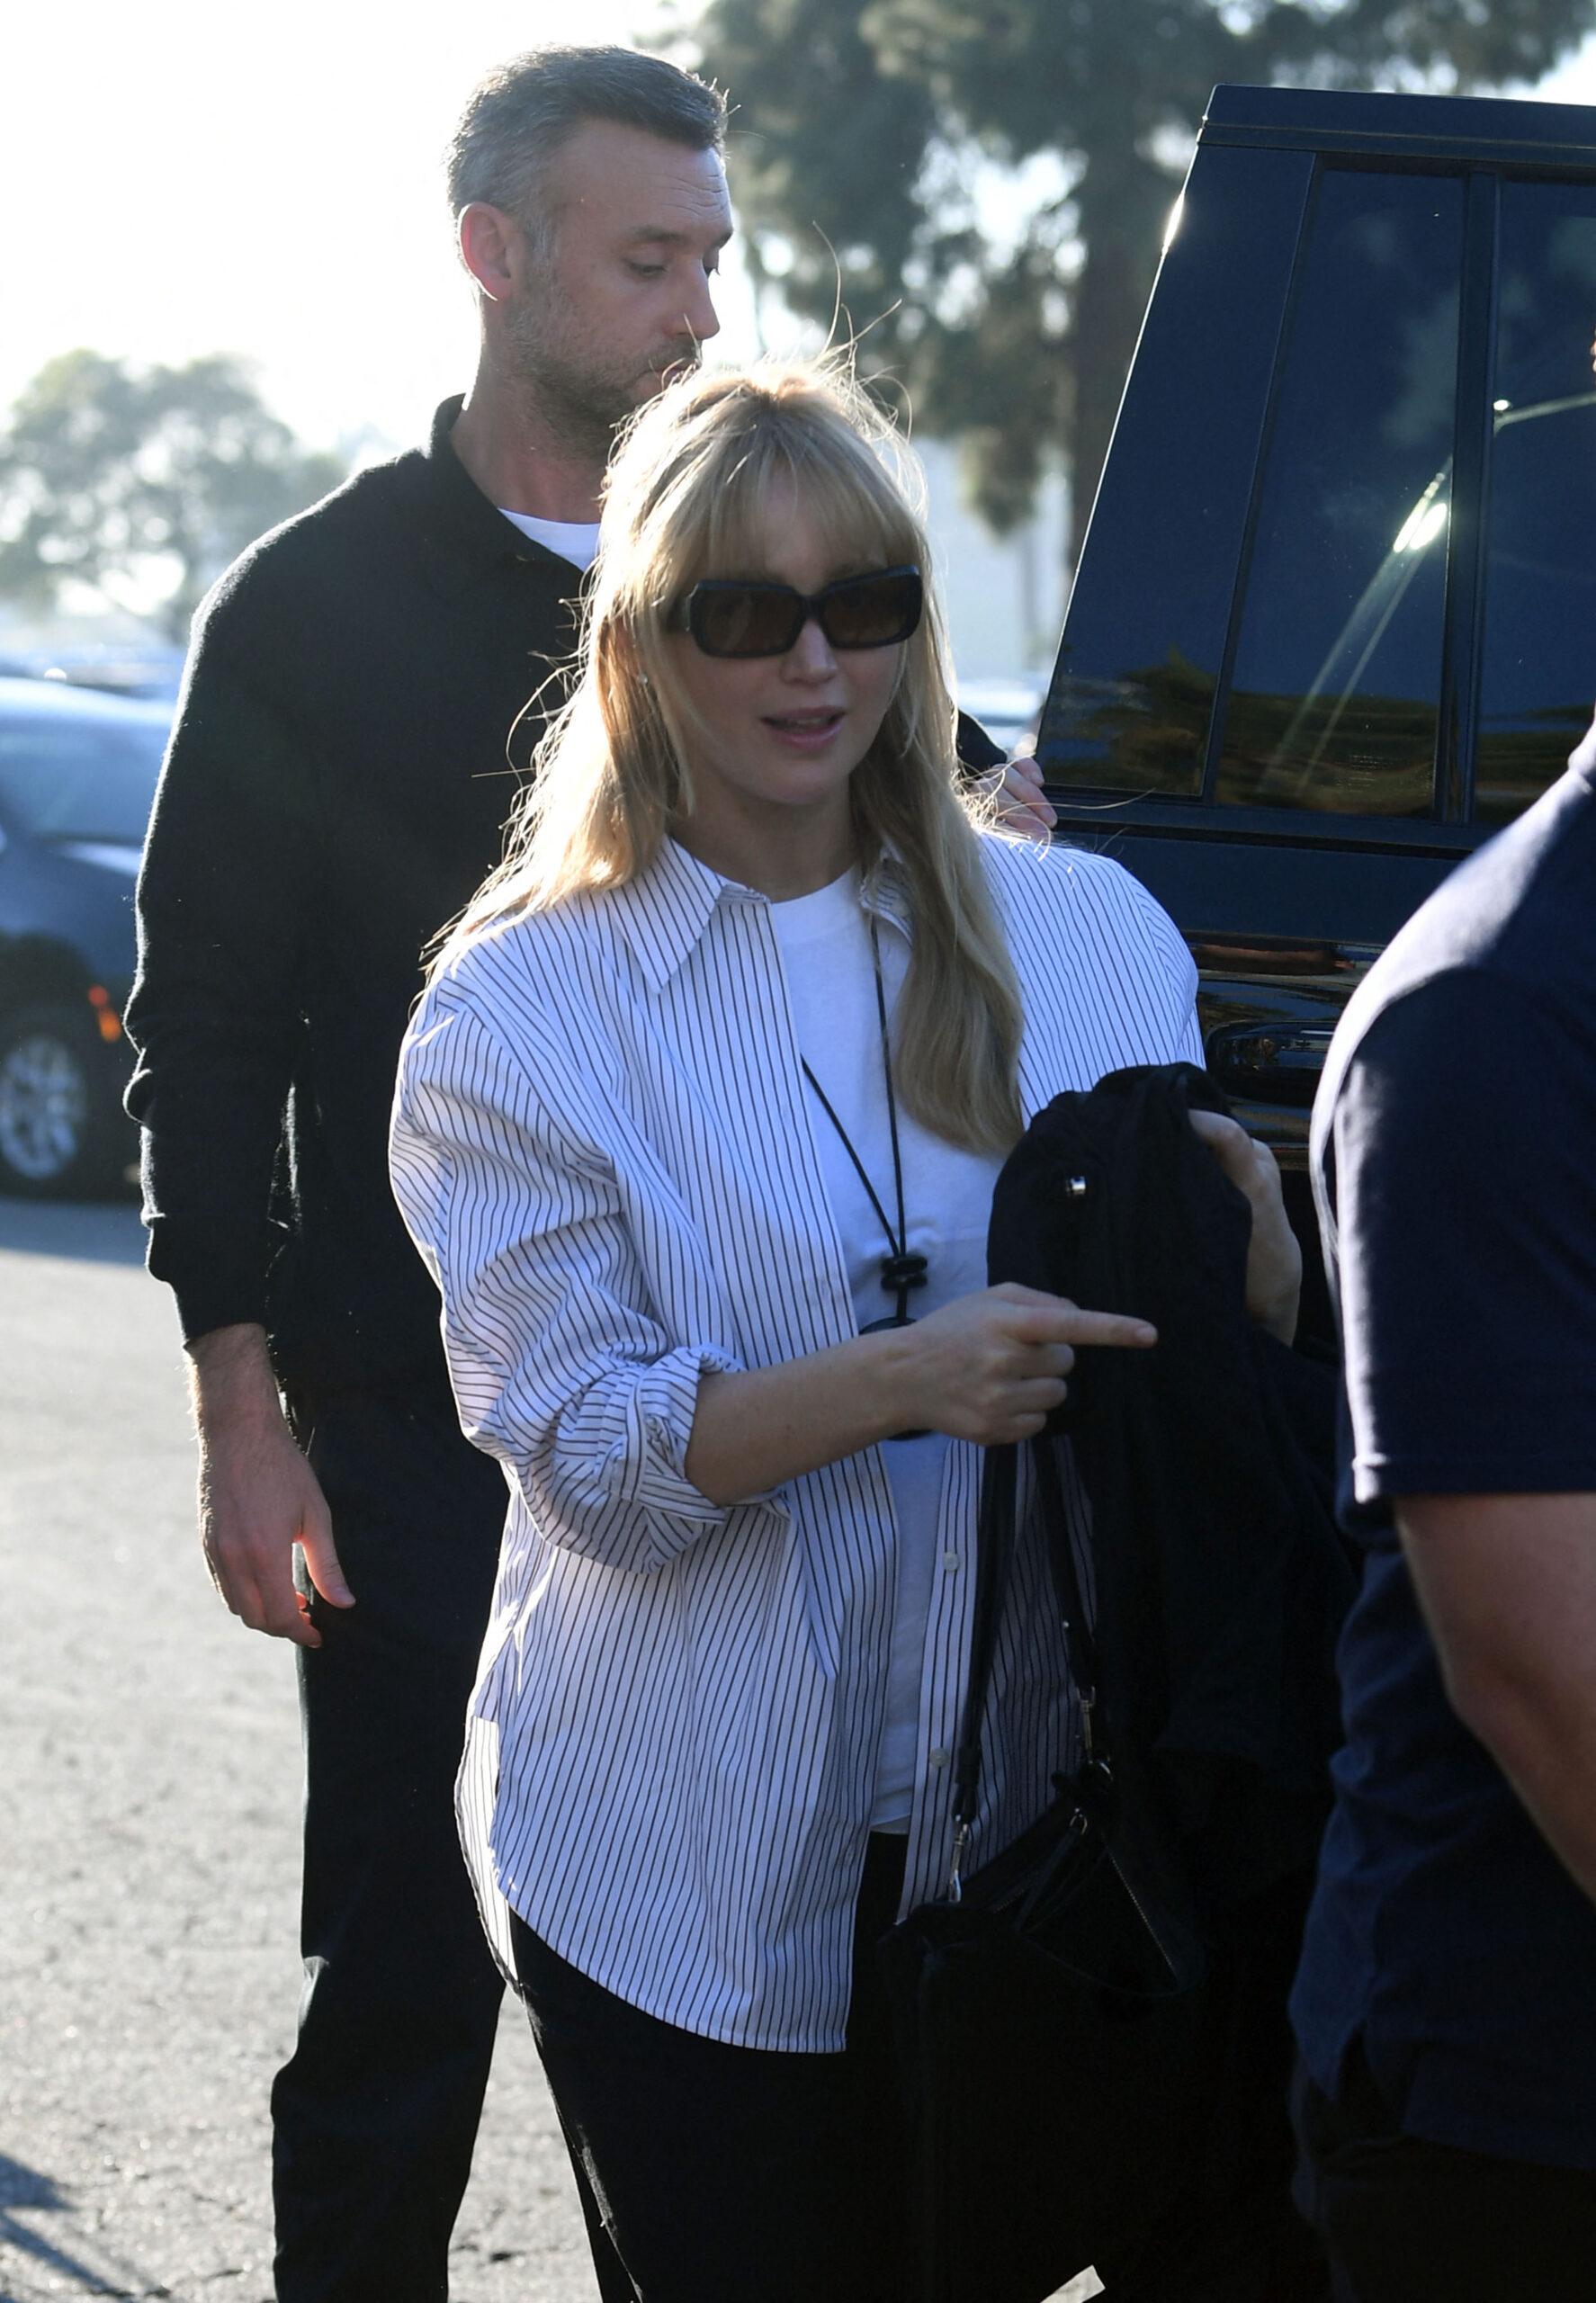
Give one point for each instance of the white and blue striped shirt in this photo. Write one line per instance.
(603, 1147)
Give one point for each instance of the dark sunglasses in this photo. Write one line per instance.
(729, 618)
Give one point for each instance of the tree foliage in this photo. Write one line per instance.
(141, 482)
(871, 137)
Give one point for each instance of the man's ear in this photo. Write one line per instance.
(492, 248)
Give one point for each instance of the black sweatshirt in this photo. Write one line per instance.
(350, 734)
(335, 789)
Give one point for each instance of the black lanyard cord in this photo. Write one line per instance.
(899, 1270)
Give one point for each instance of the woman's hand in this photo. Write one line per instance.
(992, 1367)
(1274, 1259)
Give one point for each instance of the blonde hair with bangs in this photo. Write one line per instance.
(685, 499)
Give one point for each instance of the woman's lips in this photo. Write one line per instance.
(806, 731)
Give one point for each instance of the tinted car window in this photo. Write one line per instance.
(79, 780)
(1539, 667)
(1336, 682)
(1131, 698)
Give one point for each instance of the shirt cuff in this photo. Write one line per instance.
(663, 1408)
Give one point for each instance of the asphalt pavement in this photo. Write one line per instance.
(148, 1818)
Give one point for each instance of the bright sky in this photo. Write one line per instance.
(191, 176)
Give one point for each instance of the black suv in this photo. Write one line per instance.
(1335, 617)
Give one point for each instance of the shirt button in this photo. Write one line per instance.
(658, 1432)
(952, 1559)
(941, 1756)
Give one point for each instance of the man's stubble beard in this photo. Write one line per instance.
(580, 400)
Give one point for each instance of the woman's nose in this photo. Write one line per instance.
(810, 654)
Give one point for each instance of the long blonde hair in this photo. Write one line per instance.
(685, 499)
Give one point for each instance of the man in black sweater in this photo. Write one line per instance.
(353, 722)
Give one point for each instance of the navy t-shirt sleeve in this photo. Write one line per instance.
(1465, 1190)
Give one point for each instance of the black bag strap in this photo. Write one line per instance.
(994, 1539)
(1081, 1643)
(994, 1547)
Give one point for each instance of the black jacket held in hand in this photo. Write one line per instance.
(1220, 1579)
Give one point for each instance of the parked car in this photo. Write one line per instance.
(1334, 622)
(77, 774)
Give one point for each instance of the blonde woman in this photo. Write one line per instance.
(697, 1126)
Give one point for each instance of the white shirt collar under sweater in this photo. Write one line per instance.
(573, 539)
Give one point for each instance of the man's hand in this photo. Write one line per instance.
(258, 1496)
(1274, 1259)
(1023, 806)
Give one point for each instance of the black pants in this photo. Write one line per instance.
(720, 2174)
(375, 2114)
(1232, 2234)
(1408, 2221)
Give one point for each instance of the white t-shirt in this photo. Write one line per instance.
(574, 540)
(947, 1197)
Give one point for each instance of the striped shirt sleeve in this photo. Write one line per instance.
(560, 1364)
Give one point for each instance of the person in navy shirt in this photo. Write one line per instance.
(1446, 2002)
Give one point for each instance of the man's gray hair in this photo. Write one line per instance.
(517, 120)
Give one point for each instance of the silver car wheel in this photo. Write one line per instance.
(44, 1108)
